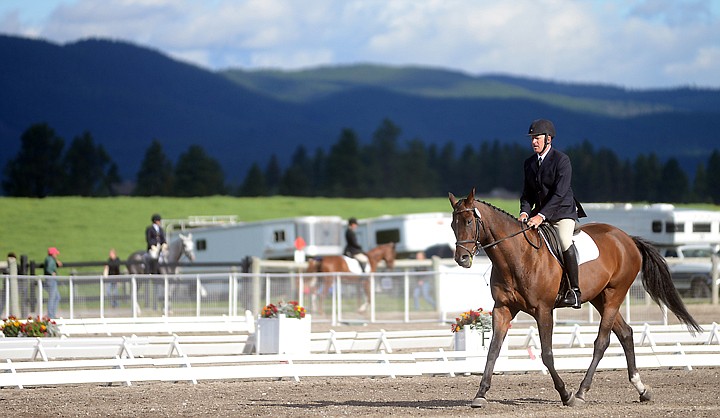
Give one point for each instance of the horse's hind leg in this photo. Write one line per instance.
(624, 333)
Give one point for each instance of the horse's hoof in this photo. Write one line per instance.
(362, 308)
(479, 403)
(646, 396)
(575, 402)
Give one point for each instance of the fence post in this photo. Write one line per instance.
(255, 267)
(436, 288)
(715, 258)
(14, 305)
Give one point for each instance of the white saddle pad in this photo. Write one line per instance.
(586, 248)
(354, 265)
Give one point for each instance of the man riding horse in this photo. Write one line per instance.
(352, 247)
(548, 197)
(155, 238)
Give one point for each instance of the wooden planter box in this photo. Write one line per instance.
(471, 340)
(283, 335)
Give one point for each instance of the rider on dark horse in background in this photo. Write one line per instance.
(155, 238)
(352, 247)
(548, 197)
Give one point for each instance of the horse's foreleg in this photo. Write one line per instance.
(501, 317)
(366, 295)
(545, 329)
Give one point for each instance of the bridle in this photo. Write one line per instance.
(477, 245)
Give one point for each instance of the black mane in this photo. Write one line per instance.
(496, 208)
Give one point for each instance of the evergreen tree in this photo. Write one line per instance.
(155, 177)
(297, 179)
(37, 170)
(626, 184)
(699, 188)
(273, 174)
(647, 178)
(444, 162)
(319, 173)
(383, 177)
(468, 169)
(418, 179)
(713, 177)
(86, 167)
(198, 174)
(111, 180)
(254, 184)
(674, 183)
(344, 169)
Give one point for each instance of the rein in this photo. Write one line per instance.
(478, 245)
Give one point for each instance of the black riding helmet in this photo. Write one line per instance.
(156, 217)
(541, 126)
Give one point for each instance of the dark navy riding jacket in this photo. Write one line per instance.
(352, 247)
(154, 237)
(547, 189)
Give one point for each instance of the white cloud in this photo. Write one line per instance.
(634, 43)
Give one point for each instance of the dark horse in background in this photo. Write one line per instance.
(526, 277)
(339, 263)
(166, 260)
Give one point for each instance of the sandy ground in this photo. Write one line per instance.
(676, 393)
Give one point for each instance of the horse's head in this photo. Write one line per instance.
(188, 246)
(466, 224)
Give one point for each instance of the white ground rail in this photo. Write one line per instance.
(192, 358)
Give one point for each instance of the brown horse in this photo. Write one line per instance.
(337, 263)
(526, 277)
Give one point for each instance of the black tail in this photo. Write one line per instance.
(658, 283)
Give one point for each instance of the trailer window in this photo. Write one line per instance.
(701, 227)
(674, 227)
(387, 235)
(657, 226)
(279, 236)
(201, 245)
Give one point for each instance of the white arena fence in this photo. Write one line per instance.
(396, 296)
(191, 358)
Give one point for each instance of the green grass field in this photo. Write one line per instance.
(84, 229)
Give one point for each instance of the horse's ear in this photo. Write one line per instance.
(453, 199)
(471, 196)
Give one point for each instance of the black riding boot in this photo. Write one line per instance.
(572, 297)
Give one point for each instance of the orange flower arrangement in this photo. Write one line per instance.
(290, 309)
(32, 327)
(476, 319)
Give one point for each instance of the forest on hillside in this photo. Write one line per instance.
(381, 167)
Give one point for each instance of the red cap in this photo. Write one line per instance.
(53, 251)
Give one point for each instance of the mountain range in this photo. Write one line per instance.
(126, 95)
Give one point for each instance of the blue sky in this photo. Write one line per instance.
(627, 43)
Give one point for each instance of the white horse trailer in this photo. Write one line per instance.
(664, 225)
(269, 240)
(411, 233)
